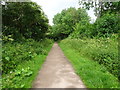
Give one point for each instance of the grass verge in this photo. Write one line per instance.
(92, 74)
(25, 73)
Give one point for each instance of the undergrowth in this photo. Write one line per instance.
(85, 58)
(22, 61)
(102, 50)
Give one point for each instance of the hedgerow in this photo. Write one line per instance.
(104, 51)
(14, 53)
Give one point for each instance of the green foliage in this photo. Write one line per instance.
(25, 73)
(15, 53)
(104, 51)
(23, 20)
(17, 77)
(82, 29)
(75, 24)
(22, 61)
(92, 74)
(24, 38)
(106, 25)
(101, 8)
(65, 22)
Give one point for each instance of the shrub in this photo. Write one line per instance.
(14, 53)
(104, 51)
(106, 25)
(82, 29)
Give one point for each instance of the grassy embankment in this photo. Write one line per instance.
(93, 60)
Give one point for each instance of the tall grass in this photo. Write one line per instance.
(92, 59)
(104, 51)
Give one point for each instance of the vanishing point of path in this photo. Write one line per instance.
(57, 72)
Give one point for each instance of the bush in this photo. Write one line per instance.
(27, 20)
(106, 25)
(104, 51)
(82, 29)
(13, 53)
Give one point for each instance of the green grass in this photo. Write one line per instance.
(25, 73)
(92, 74)
(15, 53)
(102, 50)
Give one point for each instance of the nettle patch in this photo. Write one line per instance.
(14, 54)
(104, 51)
(14, 79)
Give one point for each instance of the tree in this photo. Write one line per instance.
(100, 7)
(24, 20)
(107, 25)
(65, 21)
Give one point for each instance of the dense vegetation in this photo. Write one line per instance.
(104, 26)
(83, 55)
(25, 45)
(101, 8)
(26, 21)
(65, 22)
(104, 51)
(96, 41)
(92, 48)
(15, 53)
(22, 61)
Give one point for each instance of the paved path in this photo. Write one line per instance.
(57, 72)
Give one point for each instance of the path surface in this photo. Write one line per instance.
(57, 72)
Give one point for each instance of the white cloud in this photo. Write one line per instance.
(52, 7)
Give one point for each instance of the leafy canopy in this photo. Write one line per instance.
(24, 20)
(65, 21)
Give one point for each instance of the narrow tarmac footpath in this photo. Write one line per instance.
(57, 72)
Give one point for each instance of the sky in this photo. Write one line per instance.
(52, 7)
